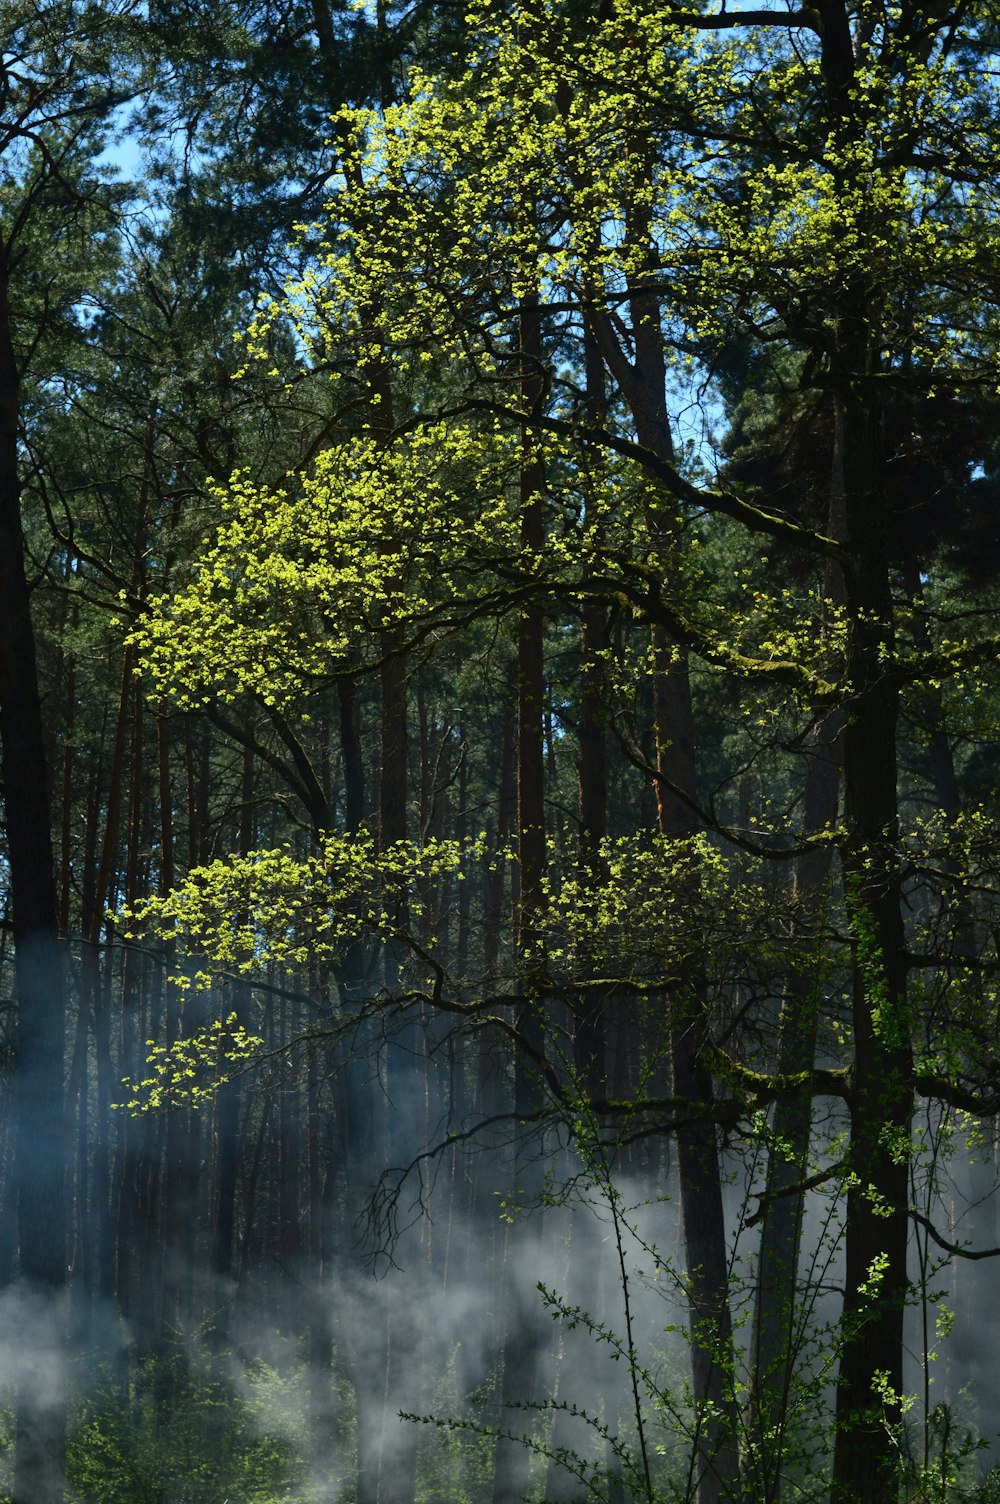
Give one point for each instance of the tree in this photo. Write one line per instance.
(63, 75)
(666, 194)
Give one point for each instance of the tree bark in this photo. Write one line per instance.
(715, 1462)
(871, 1365)
(774, 1342)
(641, 381)
(39, 1458)
(231, 1093)
(520, 1358)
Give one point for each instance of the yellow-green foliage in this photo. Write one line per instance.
(372, 536)
(582, 160)
(239, 913)
(415, 537)
(654, 909)
(191, 1069)
(588, 162)
(578, 157)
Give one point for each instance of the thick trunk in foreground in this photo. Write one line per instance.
(866, 1455)
(40, 1448)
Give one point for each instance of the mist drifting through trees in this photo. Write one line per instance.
(500, 740)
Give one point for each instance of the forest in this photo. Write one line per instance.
(500, 724)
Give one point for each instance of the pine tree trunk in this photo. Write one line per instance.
(495, 869)
(230, 1094)
(521, 1357)
(716, 1451)
(776, 1325)
(642, 383)
(569, 1434)
(39, 1457)
(865, 1469)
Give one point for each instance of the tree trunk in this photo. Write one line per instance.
(871, 1366)
(520, 1359)
(230, 1094)
(776, 1333)
(715, 1462)
(493, 875)
(642, 383)
(39, 1458)
(568, 1432)
(351, 754)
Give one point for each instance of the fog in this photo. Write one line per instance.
(355, 1355)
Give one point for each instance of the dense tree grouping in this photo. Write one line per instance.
(500, 731)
